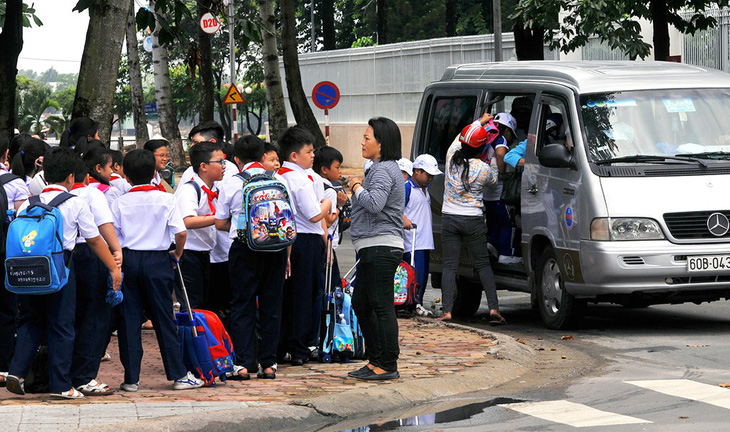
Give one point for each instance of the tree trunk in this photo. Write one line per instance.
(166, 113)
(528, 42)
(206, 66)
(328, 25)
(100, 64)
(297, 98)
(135, 81)
(11, 43)
(272, 76)
(382, 11)
(451, 18)
(660, 25)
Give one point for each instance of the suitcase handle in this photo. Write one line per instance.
(185, 297)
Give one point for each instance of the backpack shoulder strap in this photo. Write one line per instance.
(196, 186)
(60, 199)
(245, 175)
(409, 187)
(7, 178)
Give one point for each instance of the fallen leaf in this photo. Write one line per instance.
(683, 417)
(566, 337)
(541, 349)
(696, 345)
(522, 341)
(553, 349)
(725, 385)
(563, 357)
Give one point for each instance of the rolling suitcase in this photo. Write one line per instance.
(336, 342)
(405, 284)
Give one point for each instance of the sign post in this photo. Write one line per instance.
(326, 95)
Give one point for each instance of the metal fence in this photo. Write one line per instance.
(709, 48)
(388, 80)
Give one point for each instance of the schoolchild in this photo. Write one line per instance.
(160, 149)
(418, 212)
(28, 161)
(196, 200)
(146, 219)
(55, 313)
(270, 159)
(220, 293)
(16, 192)
(210, 131)
(117, 180)
(256, 277)
(78, 135)
(93, 313)
(301, 289)
(406, 168)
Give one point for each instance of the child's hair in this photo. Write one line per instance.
(460, 160)
(249, 149)
(23, 163)
(139, 166)
(58, 164)
(117, 157)
(17, 142)
(4, 144)
(210, 130)
(78, 134)
(153, 145)
(387, 133)
(80, 171)
(270, 147)
(228, 150)
(324, 157)
(97, 156)
(201, 153)
(293, 139)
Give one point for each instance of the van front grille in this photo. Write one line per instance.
(692, 225)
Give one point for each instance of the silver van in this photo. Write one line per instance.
(632, 206)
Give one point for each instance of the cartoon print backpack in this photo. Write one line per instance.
(266, 222)
(34, 262)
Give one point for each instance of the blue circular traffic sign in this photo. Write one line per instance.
(325, 95)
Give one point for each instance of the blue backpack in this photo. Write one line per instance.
(266, 221)
(34, 262)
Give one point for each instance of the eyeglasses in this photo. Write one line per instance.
(221, 161)
(162, 155)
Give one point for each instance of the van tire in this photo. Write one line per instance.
(559, 310)
(468, 298)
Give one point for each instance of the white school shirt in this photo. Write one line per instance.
(230, 171)
(230, 199)
(16, 190)
(77, 217)
(333, 229)
(98, 206)
(188, 203)
(418, 211)
(146, 220)
(304, 199)
(120, 186)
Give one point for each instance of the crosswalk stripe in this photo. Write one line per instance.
(688, 389)
(572, 414)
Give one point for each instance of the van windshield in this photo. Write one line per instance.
(662, 123)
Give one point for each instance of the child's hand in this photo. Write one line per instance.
(407, 224)
(486, 117)
(117, 255)
(116, 279)
(341, 198)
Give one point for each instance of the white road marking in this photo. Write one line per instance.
(572, 414)
(687, 389)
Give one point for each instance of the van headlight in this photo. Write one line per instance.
(620, 229)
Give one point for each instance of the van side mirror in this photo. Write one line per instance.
(556, 156)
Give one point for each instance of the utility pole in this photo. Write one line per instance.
(232, 60)
(497, 13)
(311, 10)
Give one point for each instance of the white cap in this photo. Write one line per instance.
(406, 166)
(506, 119)
(427, 163)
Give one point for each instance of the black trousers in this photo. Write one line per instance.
(148, 283)
(372, 301)
(8, 321)
(93, 315)
(220, 290)
(301, 291)
(195, 268)
(255, 275)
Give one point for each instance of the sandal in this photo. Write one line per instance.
(71, 394)
(495, 319)
(95, 388)
(147, 325)
(107, 357)
(262, 374)
(15, 385)
(239, 373)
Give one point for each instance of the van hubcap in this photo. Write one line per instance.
(551, 292)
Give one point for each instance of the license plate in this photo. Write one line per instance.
(708, 263)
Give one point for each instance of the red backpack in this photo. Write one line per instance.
(405, 287)
(210, 354)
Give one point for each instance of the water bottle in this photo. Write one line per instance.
(9, 215)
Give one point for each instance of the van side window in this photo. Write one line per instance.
(520, 106)
(554, 126)
(449, 115)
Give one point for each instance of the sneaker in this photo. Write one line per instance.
(422, 311)
(15, 384)
(507, 260)
(187, 382)
(176, 307)
(129, 387)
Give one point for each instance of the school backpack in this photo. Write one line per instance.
(266, 222)
(210, 354)
(34, 258)
(344, 218)
(405, 286)
(5, 217)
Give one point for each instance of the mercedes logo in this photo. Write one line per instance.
(718, 224)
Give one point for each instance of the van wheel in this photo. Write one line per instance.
(468, 298)
(558, 309)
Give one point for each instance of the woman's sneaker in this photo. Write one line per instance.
(187, 382)
(127, 387)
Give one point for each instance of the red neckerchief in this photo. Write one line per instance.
(160, 187)
(211, 196)
(78, 186)
(49, 189)
(256, 165)
(144, 188)
(284, 170)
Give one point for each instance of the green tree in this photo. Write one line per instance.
(614, 23)
(34, 102)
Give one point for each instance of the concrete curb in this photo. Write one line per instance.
(511, 360)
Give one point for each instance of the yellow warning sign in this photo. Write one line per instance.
(233, 96)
